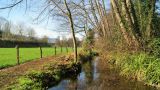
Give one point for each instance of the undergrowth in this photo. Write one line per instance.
(140, 66)
(50, 76)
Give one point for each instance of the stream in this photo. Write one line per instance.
(95, 75)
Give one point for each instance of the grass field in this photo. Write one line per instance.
(8, 55)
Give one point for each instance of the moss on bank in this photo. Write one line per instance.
(139, 66)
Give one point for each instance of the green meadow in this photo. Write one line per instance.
(8, 56)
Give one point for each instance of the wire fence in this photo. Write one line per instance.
(18, 55)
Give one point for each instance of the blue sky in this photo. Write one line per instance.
(18, 15)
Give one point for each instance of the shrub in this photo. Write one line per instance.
(87, 44)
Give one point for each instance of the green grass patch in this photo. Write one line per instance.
(8, 55)
(139, 65)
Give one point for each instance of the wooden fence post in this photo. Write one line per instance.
(41, 56)
(72, 49)
(17, 48)
(61, 49)
(67, 49)
(55, 51)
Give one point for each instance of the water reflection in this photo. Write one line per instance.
(96, 76)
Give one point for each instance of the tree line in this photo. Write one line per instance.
(11, 32)
(67, 42)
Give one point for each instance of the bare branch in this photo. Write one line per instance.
(12, 5)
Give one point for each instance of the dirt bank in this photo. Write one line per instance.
(9, 76)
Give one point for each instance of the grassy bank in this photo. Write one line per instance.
(46, 75)
(8, 55)
(39, 74)
(139, 66)
(51, 75)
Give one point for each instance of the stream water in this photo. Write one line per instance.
(95, 75)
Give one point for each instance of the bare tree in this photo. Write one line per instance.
(44, 39)
(7, 35)
(65, 10)
(31, 33)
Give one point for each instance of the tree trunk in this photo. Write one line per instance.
(150, 18)
(73, 31)
(102, 19)
(129, 22)
(119, 19)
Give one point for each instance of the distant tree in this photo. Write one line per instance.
(19, 30)
(58, 41)
(7, 35)
(44, 39)
(70, 42)
(1, 33)
(63, 41)
(1, 30)
(31, 34)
